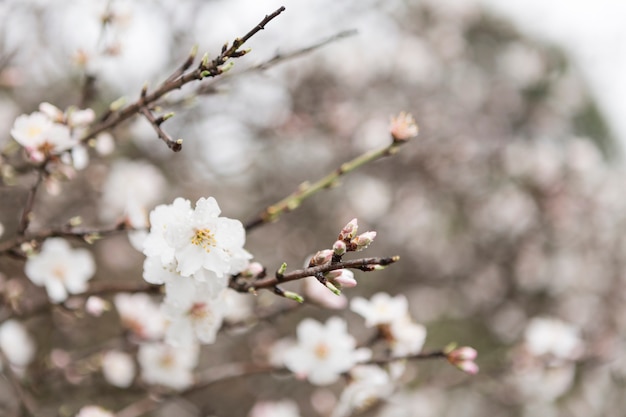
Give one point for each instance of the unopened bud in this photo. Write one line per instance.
(339, 248)
(332, 288)
(349, 231)
(293, 296)
(463, 359)
(343, 278)
(322, 257)
(363, 240)
(253, 270)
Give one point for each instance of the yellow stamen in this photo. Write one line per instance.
(205, 239)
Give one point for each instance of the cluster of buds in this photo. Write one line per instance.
(349, 241)
(462, 357)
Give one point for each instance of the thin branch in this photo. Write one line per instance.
(30, 201)
(175, 145)
(204, 70)
(364, 264)
(278, 58)
(81, 233)
(306, 190)
(230, 371)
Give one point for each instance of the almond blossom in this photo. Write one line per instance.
(323, 351)
(16, 344)
(60, 269)
(165, 365)
(381, 308)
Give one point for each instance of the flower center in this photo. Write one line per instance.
(321, 351)
(59, 273)
(167, 360)
(205, 239)
(33, 131)
(198, 311)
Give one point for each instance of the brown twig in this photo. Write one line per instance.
(204, 70)
(364, 264)
(30, 201)
(84, 234)
(278, 58)
(175, 145)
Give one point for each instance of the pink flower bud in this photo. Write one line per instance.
(253, 270)
(363, 240)
(349, 231)
(463, 358)
(403, 127)
(343, 278)
(322, 257)
(464, 353)
(339, 247)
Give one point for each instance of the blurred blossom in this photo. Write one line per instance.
(1, 229)
(165, 365)
(544, 383)
(118, 368)
(96, 306)
(141, 315)
(407, 337)
(238, 307)
(403, 127)
(381, 308)
(317, 293)
(225, 145)
(60, 269)
(323, 351)
(549, 336)
(193, 314)
(131, 186)
(368, 384)
(16, 344)
(283, 408)
(94, 411)
(369, 197)
(105, 144)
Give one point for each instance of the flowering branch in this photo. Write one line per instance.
(306, 190)
(179, 78)
(279, 58)
(364, 264)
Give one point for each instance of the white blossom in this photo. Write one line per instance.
(193, 312)
(94, 411)
(118, 368)
(381, 308)
(368, 383)
(141, 315)
(169, 366)
(130, 187)
(197, 239)
(323, 351)
(549, 336)
(283, 408)
(407, 337)
(60, 269)
(16, 344)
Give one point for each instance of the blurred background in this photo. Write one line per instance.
(508, 210)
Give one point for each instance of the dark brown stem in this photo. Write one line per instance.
(12, 246)
(175, 145)
(30, 201)
(364, 264)
(174, 82)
